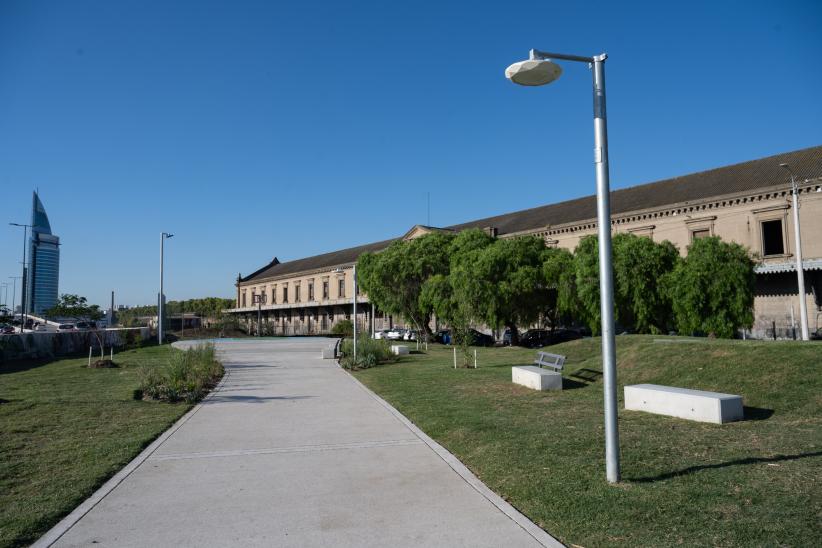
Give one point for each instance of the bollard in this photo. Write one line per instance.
(455, 357)
(475, 358)
(89, 356)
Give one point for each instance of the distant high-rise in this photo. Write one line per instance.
(44, 264)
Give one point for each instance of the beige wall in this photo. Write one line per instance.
(734, 218)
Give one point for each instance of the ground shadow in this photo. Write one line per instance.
(757, 413)
(18, 366)
(587, 375)
(738, 462)
(571, 384)
(218, 398)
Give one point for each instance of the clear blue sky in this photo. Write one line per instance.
(255, 129)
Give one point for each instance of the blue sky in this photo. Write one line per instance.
(255, 129)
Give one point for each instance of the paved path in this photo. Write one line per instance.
(292, 451)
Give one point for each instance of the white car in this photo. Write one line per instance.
(381, 334)
(63, 327)
(394, 334)
(410, 335)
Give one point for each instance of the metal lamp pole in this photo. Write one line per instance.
(539, 70)
(13, 292)
(160, 306)
(800, 268)
(355, 312)
(23, 312)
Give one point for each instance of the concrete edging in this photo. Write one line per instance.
(538, 534)
(63, 526)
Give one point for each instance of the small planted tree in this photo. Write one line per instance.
(712, 289)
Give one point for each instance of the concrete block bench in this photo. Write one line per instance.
(536, 378)
(329, 353)
(399, 349)
(695, 405)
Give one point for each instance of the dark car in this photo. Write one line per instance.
(443, 336)
(536, 338)
(6, 329)
(480, 339)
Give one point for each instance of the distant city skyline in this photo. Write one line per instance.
(257, 130)
(43, 262)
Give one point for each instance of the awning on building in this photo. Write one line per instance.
(787, 266)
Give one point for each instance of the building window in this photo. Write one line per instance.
(773, 241)
(243, 299)
(341, 288)
(701, 233)
(296, 293)
(310, 291)
(274, 295)
(302, 315)
(285, 293)
(325, 289)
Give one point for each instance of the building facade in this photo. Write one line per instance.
(44, 262)
(747, 203)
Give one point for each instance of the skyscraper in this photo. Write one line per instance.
(44, 269)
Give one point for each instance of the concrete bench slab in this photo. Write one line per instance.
(536, 378)
(399, 349)
(328, 353)
(684, 403)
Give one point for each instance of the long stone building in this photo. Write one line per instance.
(748, 203)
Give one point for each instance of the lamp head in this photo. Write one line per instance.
(167, 235)
(533, 72)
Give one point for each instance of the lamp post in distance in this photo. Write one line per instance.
(354, 316)
(800, 268)
(539, 70)
(23, 277)
(161, 305)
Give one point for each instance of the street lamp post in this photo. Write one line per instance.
(539, 70)
(800, 269)
(355, 312)
(161, 304)
(13, 292)
(23, 278)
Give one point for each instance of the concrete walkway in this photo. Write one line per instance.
(292, 451)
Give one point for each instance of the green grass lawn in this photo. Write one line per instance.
(751, 483)
(64, 430)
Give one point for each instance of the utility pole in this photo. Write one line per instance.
(800, 268)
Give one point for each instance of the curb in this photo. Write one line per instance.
(538, 534)
(63, 526)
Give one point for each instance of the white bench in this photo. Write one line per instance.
(399, 349)
(695, 405)
(536, 377)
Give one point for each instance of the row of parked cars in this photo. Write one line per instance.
(533, 338)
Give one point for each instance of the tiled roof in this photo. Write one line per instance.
(723, 181)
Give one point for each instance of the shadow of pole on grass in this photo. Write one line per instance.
(738, 462)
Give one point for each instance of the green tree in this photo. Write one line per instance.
(394, 278)
(74, 306)
(559, 276)
(712, 289)
(503, 282)
(640, 265)
(586, 281)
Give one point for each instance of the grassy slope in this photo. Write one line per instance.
(64, 430)
(755, 482)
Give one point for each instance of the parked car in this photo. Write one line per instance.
(536, 338)
(82, 325)
(381, 334)
(443, 336)
(409, 335)
(481, 339)
(6, 330)
(40, 327)
(63, 327)
(394, 334)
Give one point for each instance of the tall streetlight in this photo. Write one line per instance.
(354, 274)
(5, 287)
(539, 70)
(13, 292)
(24, 280)
(161, 305)
(800, 269)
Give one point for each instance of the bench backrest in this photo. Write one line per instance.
(546, 359)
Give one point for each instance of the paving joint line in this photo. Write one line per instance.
(291, 449)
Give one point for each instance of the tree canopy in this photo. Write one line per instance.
(74, 306)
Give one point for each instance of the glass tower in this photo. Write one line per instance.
(44, 269)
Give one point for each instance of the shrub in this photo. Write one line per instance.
(189, 376)
(370, 352)
(344, 328)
